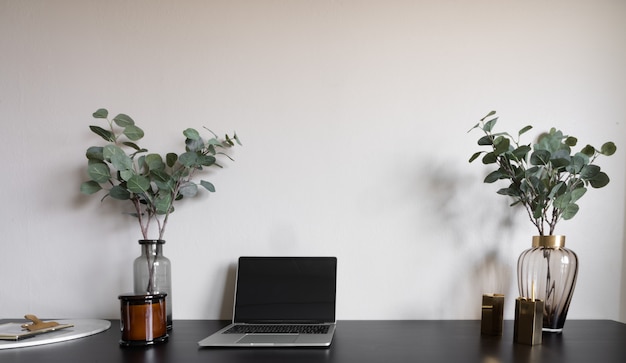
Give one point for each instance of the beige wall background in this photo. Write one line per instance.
(354, 118)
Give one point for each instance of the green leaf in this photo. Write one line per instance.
(118, 192)
(133, 145)
(490, 124)
(117, 156)
(578, 193)
(138, 184)
(501, 145)
(191, 134)
(557, 190)
(123, 120)
(579, 160)
(570, 211)
(588, 150)
(530, 172)
(162, 180)
(475, 156)
(126, 174)
(537, 211)
(550, 142)
(122, 162)
(210, 149)
(540, 157)
(163, 204)
(600, 180)
(229, 141)
(99, 172)
(95, 153)
(206, 160)
(194, 144)
(562, 201)
(170, 159)
(491, 113)
(535, 183)
(188, 189)
(608, 149)
(485, 140)
(154, 162)
(141, 163)
(105, 134)
(521, 152)
(111, 149)
(524, 130)
(589, 172)
(133, 132)
(489, 158)
(571, 141)
(560, 159)
(208, 186)
(511, 192)
(236, 139)
(188, 159)
(90, 187)
(493, 176)
(101, 113)
(214, 141)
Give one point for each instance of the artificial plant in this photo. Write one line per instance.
(150, 182)
(547, 177)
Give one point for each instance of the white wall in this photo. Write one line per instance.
(354, 118)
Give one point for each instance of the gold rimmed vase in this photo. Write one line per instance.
(548, 272)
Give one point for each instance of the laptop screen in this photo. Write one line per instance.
(285, 289)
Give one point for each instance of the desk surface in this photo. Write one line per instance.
(355, 341)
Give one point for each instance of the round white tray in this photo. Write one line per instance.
(82, 328)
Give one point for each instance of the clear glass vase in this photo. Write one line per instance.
(548, 272)
(152, 273)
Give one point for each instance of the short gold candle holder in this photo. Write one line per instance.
(528, 321)
(492, 314)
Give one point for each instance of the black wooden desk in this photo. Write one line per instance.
(595, 341)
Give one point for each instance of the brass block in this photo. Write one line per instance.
(492, 314)
(528, 321)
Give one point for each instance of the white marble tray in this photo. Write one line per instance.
(82, 328)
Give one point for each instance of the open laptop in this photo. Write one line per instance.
(281, 301)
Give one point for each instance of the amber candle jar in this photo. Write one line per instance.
(143, 319)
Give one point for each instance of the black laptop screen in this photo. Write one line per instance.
(286, 289)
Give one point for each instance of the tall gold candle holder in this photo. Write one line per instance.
(528, 321)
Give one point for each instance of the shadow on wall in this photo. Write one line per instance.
(228, 300)
(480, 226)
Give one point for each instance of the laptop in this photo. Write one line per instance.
(281, 302)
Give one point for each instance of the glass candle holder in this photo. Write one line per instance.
(143, 319)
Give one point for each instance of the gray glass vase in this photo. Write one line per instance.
(548, 272)
(152, 273)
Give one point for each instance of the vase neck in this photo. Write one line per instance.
(152, 247)
(551, 241)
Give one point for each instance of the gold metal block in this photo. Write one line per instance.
(528, 321)
(492, 314)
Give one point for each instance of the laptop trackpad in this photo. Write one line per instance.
(269, 338)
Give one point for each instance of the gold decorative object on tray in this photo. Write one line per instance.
(18, 331)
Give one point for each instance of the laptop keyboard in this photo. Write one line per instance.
(278, 329)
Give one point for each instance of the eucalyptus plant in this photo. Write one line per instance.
(547, 178)
(150, 182)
